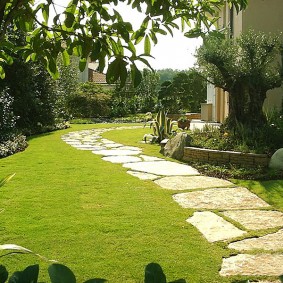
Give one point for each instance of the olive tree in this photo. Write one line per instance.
(246, 68)
(96, 30)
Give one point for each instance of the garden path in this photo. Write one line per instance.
(223, 212)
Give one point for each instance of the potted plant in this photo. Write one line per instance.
(184, 123)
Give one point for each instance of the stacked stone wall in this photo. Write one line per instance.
(225, 157)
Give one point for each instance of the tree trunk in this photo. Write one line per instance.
(256, 116)
(236, 107)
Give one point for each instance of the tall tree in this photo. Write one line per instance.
(95, 29)
(185, 92)
(32, 89)
(147, 92)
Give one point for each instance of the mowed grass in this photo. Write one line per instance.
(71, 206)
(270, 191)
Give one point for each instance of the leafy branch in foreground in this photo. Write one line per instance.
(61, 273)
(96, 30)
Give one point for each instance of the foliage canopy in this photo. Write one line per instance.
(95, 29)
(246, 68)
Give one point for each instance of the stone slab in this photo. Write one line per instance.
(131, 148)
(257, 219)
(258, 265)
(142, 175)
(182, 183)
(213, 227)
(85, 147)
(162, 168)
(74, 143)
(220, 198)
(121, 159)
(150, 158)
(113, 145)
(115, 152)
(106, 141)
(270, 242)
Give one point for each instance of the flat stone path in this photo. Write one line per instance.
(223, 211)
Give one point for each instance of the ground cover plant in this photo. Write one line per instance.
(90, 215)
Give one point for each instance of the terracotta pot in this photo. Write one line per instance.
(184, 124)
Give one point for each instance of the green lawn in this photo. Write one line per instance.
(91, 215)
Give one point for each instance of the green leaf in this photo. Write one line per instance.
(2, 73)
(145, 62)
(112, 74)
(281, 278)
(147, 45)
(66, 58)
(131, 47)
(136, 75)
(95, 280)
(6, 179)
(96, 50)
(3, 274)
(153, 37)
(45, 13)
(60, 273)
(29, 275)
(52, 67)
(55, 19)
(70, 19)
(6, 58)
(82, 64)
(161, 31)
(193, 33)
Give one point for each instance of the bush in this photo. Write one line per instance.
(266, 139)
(15, 144)
(7, 117)
(91, 100)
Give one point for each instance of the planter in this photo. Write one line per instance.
(184, 124)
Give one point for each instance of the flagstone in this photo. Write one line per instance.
(213, 227)
(220, 198)
(121, 159)
(273, 242)
(150, 158)
(131, 148)
(85, 147)
(162, 168)
(257, 219)
(113, 152)
(142, 175)
(191, 183)
(113, 145)
(74, 143)
(106, 141)
(258, 265)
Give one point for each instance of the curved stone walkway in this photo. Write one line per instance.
(223, 212)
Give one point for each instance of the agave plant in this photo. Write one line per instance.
(162, 126)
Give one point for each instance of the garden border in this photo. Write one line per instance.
(225, 157)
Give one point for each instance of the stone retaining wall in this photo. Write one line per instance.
(225, 157)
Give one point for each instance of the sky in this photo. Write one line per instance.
(170, 52)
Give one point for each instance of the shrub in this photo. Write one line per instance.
(266, 139)
(91, 100)
(7, 117)
(15, 144)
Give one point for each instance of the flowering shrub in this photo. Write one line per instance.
(15, 144)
